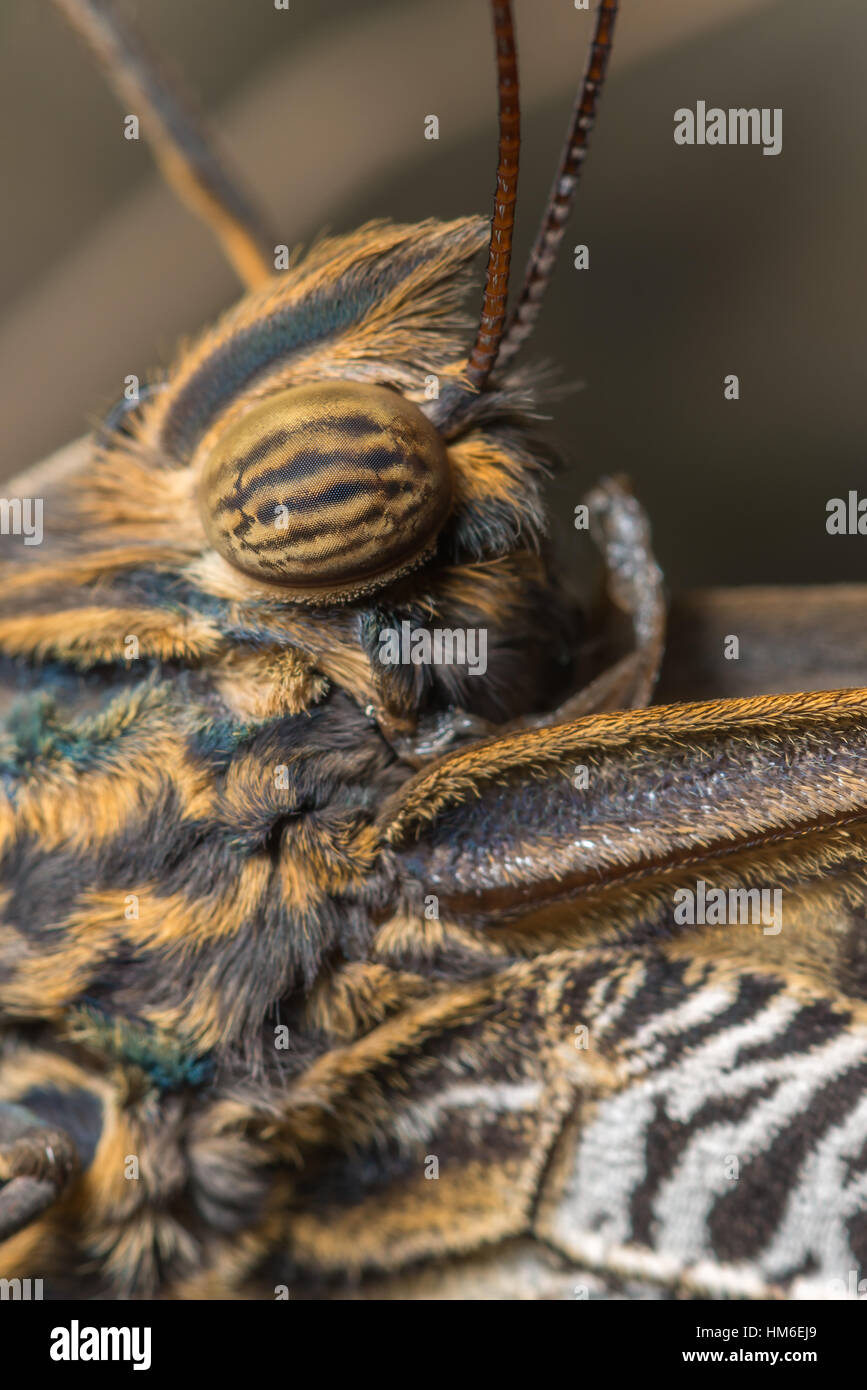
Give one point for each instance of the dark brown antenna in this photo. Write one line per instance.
(493, 315)
(544, 254)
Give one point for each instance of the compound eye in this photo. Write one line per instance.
(331, 490)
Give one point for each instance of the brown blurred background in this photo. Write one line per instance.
(703, 261)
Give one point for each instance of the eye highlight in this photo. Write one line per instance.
(331, 490)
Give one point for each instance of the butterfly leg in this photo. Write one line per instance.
(36, 1163)
(635, 591)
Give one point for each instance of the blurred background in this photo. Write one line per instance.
(704, 261)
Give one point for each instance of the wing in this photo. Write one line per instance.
(638, 1123)
(650, 1081)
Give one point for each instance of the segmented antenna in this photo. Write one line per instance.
(544, 254)
(493, 315)
(177, 136)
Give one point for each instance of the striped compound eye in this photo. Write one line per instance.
(331, 490)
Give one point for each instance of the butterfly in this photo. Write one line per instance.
(366, 931)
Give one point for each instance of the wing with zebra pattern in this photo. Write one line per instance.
(636, 1065)
(591, 1124)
